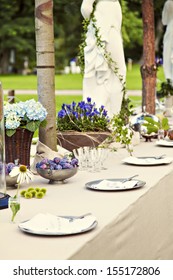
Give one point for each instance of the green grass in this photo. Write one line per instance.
(71, 81)
(60, 99)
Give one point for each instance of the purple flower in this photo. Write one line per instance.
(62, 114)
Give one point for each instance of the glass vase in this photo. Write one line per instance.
(14, 205)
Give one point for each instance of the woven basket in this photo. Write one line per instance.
(18, 146)
(73, 139)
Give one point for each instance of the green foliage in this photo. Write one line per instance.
(121, 131)
(166, 89)
(83, 116)
(33, 125)
(153, 126)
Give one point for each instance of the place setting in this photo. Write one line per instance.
(165, 143)
(47, 224)
(118, 184)
(148, 160)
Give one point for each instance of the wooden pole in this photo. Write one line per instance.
(11, 96)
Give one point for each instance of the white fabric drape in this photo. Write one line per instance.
(100, 82)
(167, 19)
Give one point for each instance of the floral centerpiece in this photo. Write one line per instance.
(29, 114)
(82, 124)
(82, 116)
(21, 120)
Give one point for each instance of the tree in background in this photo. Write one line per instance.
(46, 68)
(17, 38)
(148, 68)
(18, 33)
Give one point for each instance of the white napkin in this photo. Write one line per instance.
(49, 223)
(107, 185)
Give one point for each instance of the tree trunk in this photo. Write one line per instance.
(148, 69)
(4, 62)
(46, 68)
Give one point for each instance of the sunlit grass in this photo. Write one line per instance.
(71, 81)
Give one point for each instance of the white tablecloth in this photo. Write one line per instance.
(133, 224)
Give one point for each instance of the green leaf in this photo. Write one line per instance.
(43, 123)
(165, 124)
(10, 132)
(33, 125)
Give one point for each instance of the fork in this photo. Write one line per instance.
(71, 218)
(159, 157)
(129, 178)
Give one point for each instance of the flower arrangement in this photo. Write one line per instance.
(82, 116)
(29, 114)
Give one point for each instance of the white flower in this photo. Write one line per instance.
(24, 175)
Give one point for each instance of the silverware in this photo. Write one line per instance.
(72, 218)
(129, 178)
(157, 157)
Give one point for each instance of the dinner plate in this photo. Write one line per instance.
(114, 185)
(165, 143)
(147, 161)
(59, 233)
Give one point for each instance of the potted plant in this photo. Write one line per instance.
(21, 120)
(82, 124)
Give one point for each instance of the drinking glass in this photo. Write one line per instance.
(161, 134)
(102, 154)
(80, 155)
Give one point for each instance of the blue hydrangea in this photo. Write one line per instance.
(21, 113)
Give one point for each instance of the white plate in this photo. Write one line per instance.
(59, 233)
(147, 160)
(165, 143)
(114, 185)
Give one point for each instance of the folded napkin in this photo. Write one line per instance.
(107, 185)
(48, 223)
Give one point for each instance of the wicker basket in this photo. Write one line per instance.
(18, 146)
(73, 139)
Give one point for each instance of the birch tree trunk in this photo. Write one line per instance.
(46, 68)
(148, 69)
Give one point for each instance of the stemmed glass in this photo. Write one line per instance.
(102, 155)
(80, 155)
(94, 159)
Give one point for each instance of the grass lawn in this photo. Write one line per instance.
(71, 81)
(60, 99)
